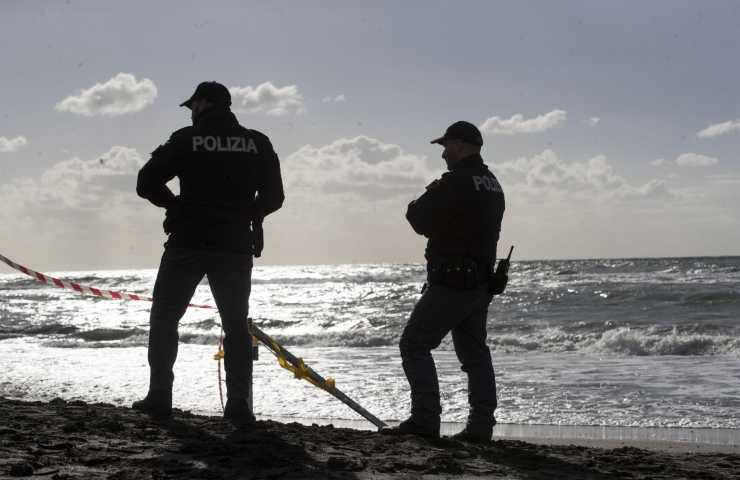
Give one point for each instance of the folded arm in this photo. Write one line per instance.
(429, 213)
(152, 181)
(270, 194)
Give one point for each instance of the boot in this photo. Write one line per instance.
(475, 433)
(157, 403)
(413, 427)
(238, 412)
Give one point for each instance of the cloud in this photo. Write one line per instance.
(593, 121)
(659, 162)
(720, 129)
(695, 160)
(336, 99)
(120, 95)
(361, 165)
(12, 144)
(81, 214)
(269, 99)
(75, 186)
(518, 124)
(546, 174)
(725, 178)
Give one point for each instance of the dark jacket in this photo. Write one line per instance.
(229, 177)
(460, 213)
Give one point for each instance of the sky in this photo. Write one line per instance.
(613, 127)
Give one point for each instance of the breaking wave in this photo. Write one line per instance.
(619, 341)
(634, 307)
(634, 342)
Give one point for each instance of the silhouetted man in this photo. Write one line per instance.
(229, 181)
(460, 214)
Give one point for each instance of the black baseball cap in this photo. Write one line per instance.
(465, 131)
(212, 91)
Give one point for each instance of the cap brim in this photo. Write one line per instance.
(440, 140)
(187, 102)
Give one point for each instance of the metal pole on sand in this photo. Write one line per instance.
(302, 371)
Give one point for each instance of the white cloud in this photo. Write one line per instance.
(120, 95)
(74, 186)
(546, 174)
(335, 99)
(12, 144)
(81, 214)
(695, 160)
(720, 129)
(362, 165)
(659, 162)
(269, 99)
(593, 121)
(518, 124)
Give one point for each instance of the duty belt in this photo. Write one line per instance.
(458, 273)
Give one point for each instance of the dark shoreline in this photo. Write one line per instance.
(72, 439)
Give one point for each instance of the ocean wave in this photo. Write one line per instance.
(567, 272)
(639, 342)
(199, 338)
(345, 339)
(108, 334)
(512, 341)
(354, 339)
(207, 324)
(545, 339)
(275, 323)
(85, 279)
(620, 341)
(712, 297)
(19, 283)
(651, 341)
(589, 294)
(132, 341)
(48, 329)
(8, 336)
(728, 269)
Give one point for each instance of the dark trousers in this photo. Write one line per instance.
(439, 311)
(229, 276)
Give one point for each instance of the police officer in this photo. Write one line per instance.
(460, 214)
(229, 181)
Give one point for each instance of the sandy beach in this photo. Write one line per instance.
(72, 439)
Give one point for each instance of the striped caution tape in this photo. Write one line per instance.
(83, 289)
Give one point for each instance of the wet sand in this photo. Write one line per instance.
(76, 440)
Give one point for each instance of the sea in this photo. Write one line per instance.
(642, 342)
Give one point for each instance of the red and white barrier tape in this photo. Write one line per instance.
(82, 289)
